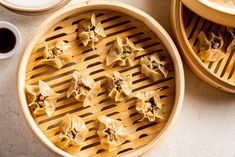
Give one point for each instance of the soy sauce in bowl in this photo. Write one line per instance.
(7, 40)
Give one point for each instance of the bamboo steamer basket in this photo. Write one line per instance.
(186, 27)
(218, 11)
(118, 20)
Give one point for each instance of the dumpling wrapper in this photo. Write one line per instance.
(149, 105)
(56, 56)
(153, 67)
(210, 48)
(122, 52)
(111, 132)
(119, 86)
(231, 32)
(83, 88)
(74, 130)
(90, 31)
(41, 98)
(231, 46)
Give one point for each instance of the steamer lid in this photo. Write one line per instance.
(218, 11)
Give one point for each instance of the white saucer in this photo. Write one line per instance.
(15, 30)
(33, 6)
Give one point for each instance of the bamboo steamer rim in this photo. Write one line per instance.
(188, 53)
(32, 11)
(212, 11)
(126, 9)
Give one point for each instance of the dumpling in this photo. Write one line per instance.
(153, 67)
(57, 56)
(73, 130)
(111, 132)
(119, 86)
(122, 52)
(83, 88)
(210, 48)
(41, 98)
(90, 31)
(149, 105)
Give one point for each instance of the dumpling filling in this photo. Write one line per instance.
(74, 130)
(149, 105)
(210, 48)
(122, 52)
(111, 132)
(90, 31)
(41, 98)
(57, 56)
(83, 88)
(153, 67)
(119, 86)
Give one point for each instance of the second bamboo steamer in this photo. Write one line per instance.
(187, 25)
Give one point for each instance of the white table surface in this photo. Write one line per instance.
(205, 127)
